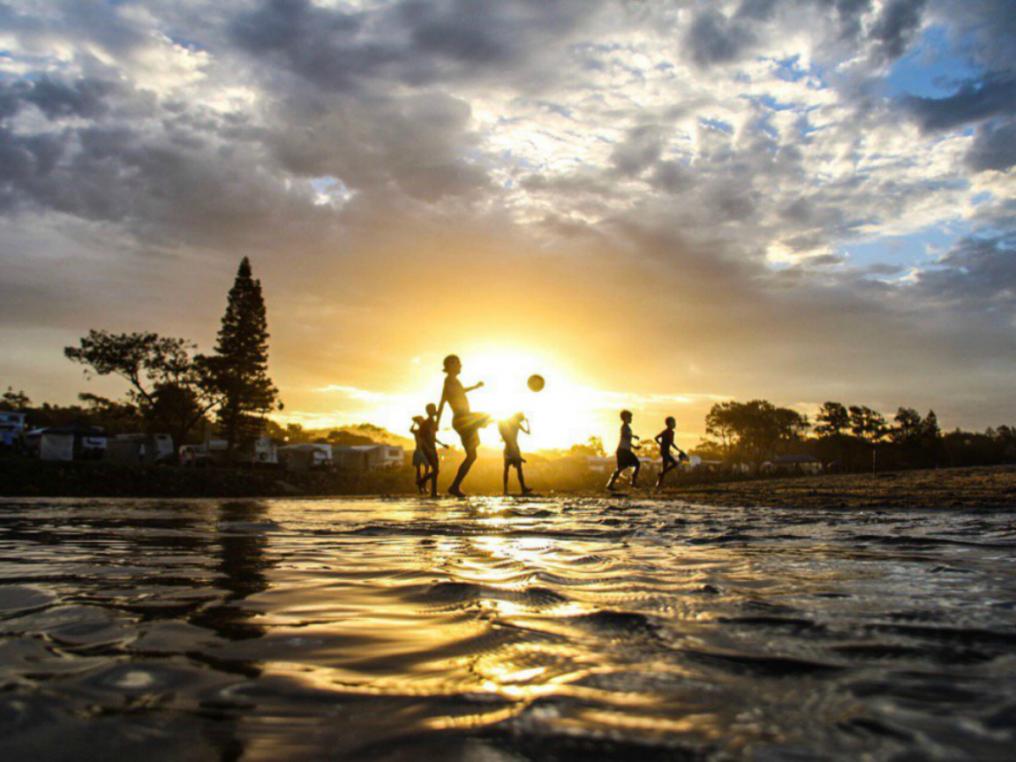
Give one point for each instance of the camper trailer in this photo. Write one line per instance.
(67, 443)
(302, 457)
(140, 448)
(368, 457)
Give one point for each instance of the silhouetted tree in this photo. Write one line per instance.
(754, 430)
(166, 382)
(832, 419)
(14, 400)
(909, 427)
(238, 371)
(867, 424)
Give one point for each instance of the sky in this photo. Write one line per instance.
(657, 205)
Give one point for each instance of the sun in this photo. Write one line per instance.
(559, 415)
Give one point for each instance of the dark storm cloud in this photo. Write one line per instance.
(994, 147)
(86, 97)
(412, 42)
(978, 275)
(995, 95)
(640, 149)
(896, 26)
(714, 38)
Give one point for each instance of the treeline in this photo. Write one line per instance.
(172, 388)
(847, 438)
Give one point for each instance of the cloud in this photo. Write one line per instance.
(994, 148)
(714, 38)
(974, 101)
(896, 26)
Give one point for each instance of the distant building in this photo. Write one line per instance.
(74, 442)
(12, 427)
(140, 448)
(302, 457)
(796, 464)
(204, 454)
(368, 457)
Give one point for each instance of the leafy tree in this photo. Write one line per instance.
(238, 371)
(909, 427)
(14, 400)
(832, 419)
(867, 424)
(592, 447)
(754, 430)
(931, 438)
(166, 382)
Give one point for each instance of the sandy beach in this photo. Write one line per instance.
(962, 488)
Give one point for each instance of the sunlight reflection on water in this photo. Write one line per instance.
(501, 629)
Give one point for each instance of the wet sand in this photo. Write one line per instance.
(503, 630)
(955, 488)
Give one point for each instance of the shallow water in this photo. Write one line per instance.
(502, 630)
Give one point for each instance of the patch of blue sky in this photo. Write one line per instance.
(918, 249)
(330, 189)
(790, 70)
(717, 124)
(934, 67)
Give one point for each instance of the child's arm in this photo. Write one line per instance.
(440, 407)
(414, 428)
(477, 385)
(524, 425)
(441, 443)
(658, 438)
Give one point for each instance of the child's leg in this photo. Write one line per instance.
(455, 489)
(504, 479)
(614, 477)
(522, 478)
(635, 475)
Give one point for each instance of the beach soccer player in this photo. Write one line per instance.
(466, 423)
(626, 457)
(510, 428)
(665, 439)
(428, 443)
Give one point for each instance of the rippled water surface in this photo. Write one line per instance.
(502, 630)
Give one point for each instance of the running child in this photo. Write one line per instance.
(626, 458)
(665, 439)
(510, 428)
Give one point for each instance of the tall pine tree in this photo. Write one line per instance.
(238, 371)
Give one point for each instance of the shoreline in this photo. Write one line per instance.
(963, 488)
(972, 487)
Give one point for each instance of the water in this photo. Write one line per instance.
(502, 630)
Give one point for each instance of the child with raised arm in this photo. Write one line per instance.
(428, 445)
(510, 428)
(467, 424)
(626, 458)
(665, 439)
